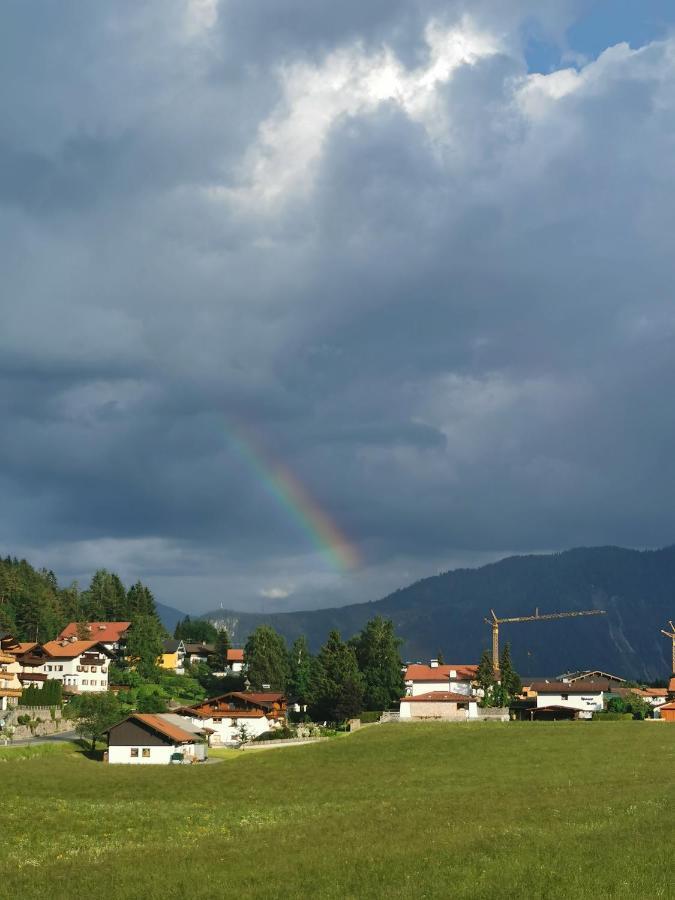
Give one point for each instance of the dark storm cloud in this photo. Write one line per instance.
(434, 286)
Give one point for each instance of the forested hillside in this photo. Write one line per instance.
(34, 607)
(445, 613)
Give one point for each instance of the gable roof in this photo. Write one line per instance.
(566, 687)
(199, 648)
(235, 655)
(440, 697)
(669, 706)
(159, 725)
(172, 645)
(71, 649)
(418, 672)
(586, 674)
(108, 632)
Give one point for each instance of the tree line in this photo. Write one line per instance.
(341, 680)
(34, 607)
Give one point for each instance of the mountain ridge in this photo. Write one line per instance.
(445, 612)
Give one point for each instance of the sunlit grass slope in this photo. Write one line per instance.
(452, 811)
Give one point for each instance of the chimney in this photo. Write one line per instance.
(453, 673)
(434, 663)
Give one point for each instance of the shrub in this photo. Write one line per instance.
(372, 715)
(278, 734)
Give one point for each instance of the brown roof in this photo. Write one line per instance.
(108, 632)
(198, 648)
(21, 648)
(565, 687)
(168, 729)
(440, 697)
(417, 672)
(69, 649)
(668, 706)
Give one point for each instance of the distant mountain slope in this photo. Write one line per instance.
(445, 612)
(169, 616)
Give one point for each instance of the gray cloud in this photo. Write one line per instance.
(435, 286)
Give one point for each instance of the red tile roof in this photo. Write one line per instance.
(440, 697)
(108, 632)
(69, 649)
(417, 672)
(234, 655)
(168, 729)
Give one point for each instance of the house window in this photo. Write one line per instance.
(146, 752)
(93, 668)
(234, 723)
(565, 696)
(134, 752)
(49, 668)
(84, 681)
(93, 683)
(59, 668)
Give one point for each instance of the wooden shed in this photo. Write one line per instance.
(667, 711)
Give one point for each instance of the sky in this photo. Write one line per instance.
(303, 301)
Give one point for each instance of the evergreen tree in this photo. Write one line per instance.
(377, 653)
(299, 669)
(266, 659)
(336, 684)
(145, 645)
(196, 630)
(486, 678)
(219, 658)
(140, 602)
(105, 600)
(510, 681)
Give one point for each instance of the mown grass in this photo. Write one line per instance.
(449, 811)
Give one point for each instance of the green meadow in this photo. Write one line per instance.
(431, 810)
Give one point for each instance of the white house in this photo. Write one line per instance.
(155, 739)
(82, 666)
(444, 706)
(225, 715)
(422, 679)
(586, 697)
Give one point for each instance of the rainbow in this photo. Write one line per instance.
(291, 495)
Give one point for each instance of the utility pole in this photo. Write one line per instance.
(494, 622)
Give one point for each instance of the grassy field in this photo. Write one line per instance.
(430, 810)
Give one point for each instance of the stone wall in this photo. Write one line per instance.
(49, 725)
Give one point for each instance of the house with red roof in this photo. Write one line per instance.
(224, 715)
(111, 634)
(422, 679)
(81, 666)
(156, 739)
(443, 706)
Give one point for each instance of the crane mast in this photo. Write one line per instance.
(539, 617)
(671, 635)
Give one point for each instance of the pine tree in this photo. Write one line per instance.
(377, 653)
(266, 659)
(510, 681)
(485, 677)
(219, 658)
(299, 668)
(336, 684)
(145, 645)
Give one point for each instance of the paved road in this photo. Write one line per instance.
(44, 739)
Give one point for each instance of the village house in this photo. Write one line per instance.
(81, 666)
(667, 712)
(10, 685)
(112, 635)
(421, 679)
(582, 697)
(235, 660)
(155, 739)
(445, 706)
(198, 652)
(259, 712)
(173, 656)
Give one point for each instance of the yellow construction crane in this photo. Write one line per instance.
(671, 635)
(537, 617)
